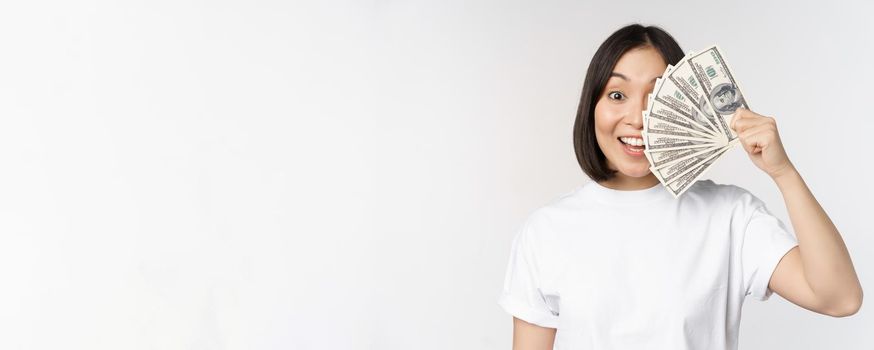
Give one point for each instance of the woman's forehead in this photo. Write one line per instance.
(641, 65)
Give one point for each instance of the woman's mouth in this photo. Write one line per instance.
(633, 146)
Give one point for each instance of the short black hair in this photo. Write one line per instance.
(589, 154)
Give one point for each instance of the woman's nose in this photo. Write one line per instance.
(634, 116)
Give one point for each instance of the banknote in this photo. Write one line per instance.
(685, 122)
(667, 173)
(683, 78)
(664, 142)
(718, 84)
(660, 158)
(667, 95)
(664, 112)
(661, 125)
(682, 183)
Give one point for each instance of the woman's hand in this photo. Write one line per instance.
(758, 136)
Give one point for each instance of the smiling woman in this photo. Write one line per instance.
(619, 263)
(621, 74)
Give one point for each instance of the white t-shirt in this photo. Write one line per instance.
(614, 269)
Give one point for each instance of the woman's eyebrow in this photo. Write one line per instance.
(614, 74)
(620, 75)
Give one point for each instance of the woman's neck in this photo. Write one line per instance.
(623, 182)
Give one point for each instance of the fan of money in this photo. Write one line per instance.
(686, 121)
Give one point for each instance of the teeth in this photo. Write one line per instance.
(634, 141)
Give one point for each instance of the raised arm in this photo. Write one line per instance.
(818, 274)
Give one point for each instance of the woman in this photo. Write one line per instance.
(618, 263)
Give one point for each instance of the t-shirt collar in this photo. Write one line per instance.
(625, 197)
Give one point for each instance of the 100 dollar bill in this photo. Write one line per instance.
(666, 94)
(718, 85)
(669, 172)
(685, 181)
(684, 79)
(659, 159)
(658, 125)
(657, 142)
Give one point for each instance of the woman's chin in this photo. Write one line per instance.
(636, 173)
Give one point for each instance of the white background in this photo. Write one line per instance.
(349, 175)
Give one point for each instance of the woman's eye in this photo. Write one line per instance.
(615, 95)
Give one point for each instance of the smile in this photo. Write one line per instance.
(633, 146)
(632, 141)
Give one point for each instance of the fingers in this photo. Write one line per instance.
(756, 138)
(744, 119)
(738, 115)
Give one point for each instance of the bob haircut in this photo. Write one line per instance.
(589, 154)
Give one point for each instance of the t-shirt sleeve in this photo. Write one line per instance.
(765, 241)
(522, 294)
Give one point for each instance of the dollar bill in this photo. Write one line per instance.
(658, 125)
(685, 181)
(666, 95)
(664, 142)
(659, 158)
(683, 77)
(685, 122)
(664, 112)
(671, 91)
(718, 84)
(669, 172)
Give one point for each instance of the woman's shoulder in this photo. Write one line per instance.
(558, 208)
(562, 202)
(729, 194)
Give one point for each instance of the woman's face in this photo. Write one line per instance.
(618, 111)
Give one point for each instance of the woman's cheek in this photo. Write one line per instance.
(604, 117)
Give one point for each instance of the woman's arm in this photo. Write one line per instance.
(818, 274)
(527, 336)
